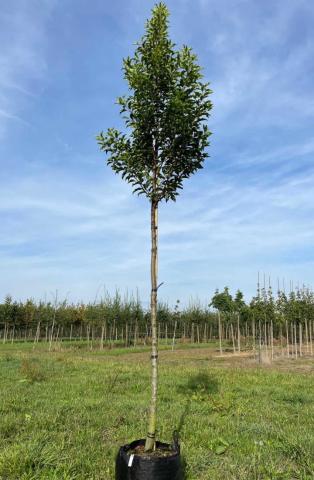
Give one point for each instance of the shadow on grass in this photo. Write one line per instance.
(200, 382)
(184, 468)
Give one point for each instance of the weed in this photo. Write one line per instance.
(31, 370)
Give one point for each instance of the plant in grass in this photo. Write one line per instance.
(31, 370)
(165, 139)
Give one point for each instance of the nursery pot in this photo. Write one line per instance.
(138, 467)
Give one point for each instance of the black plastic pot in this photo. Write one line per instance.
(148, 468)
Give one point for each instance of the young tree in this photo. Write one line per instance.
(223, 302)
(165, 138)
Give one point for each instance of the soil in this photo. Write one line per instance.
(159, 452)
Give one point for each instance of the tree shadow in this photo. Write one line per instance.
(202, 381)
(184, 468)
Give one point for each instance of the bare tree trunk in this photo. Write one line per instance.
(272, 339)
(4, 333)
(102, 336)
(292, 339)
(126, 335)
(260, 342)
(151, 434)
(265, 343)
(87, 334)
(287, 339)
(239, 334)
(281, 342)
(135, 335)
(52, 331)
(205, 334)
(13, 333)
(37, 335)
(57, 336)
(219, 333)
(174, 335)
(307, 338)
(253, 333)
(295, 341)
(232, 336)
(113, 332)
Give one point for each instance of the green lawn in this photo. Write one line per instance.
(64, 413)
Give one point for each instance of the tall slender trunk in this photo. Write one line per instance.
(219, 333)
(287, 339)
(151, 434)
(232, 336)
(174, 335)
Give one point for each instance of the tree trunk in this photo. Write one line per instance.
(232, 336)
(287, 339)
(151, 434)
(102, 336)
(174, 335)
(219, 333)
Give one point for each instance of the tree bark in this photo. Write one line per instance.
(219, 333)
(151, 434)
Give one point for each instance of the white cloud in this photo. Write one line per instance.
(22, 57)
(74, 232)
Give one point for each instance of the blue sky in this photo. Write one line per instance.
(68, 223)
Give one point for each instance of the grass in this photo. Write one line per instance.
(65, 413)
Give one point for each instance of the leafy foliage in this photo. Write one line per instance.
(117, 310)
(165, 115)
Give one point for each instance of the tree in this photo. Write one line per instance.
(223, 302)
(165, 139)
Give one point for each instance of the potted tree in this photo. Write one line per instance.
(164, 143)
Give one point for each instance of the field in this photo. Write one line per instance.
(65, 412)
